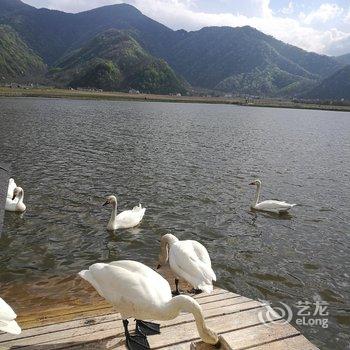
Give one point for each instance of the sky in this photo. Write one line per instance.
(321, 26)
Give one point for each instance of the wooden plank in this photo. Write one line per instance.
(68, 329)
(211, 298)
(216, 291)
(63, 326)
(63, 315)
(175, 335)
(100, 307)
(170, 335)
(209, 308)
(232, 316)
(257, 335)
(296, 342)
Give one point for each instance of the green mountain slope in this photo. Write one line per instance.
(17, 61)
(114, 60)
(53, 33)
(210, 56)
(269, 81)
(336, 86)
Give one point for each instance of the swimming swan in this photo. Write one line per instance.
(269, 205)
(141, 293)
(15, 201)
(127, 218)
(7, 319)
(188, 260)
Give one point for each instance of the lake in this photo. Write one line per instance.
(190, 165)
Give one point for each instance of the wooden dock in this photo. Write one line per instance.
(233, 317)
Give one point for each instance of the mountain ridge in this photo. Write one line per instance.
(235, 60)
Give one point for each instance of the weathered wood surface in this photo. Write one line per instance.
(233, 317)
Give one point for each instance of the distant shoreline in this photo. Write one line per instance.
(121, 96)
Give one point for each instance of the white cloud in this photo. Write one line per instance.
(347, 17)
(323, 14)
(288, 10)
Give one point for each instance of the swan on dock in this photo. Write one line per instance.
(188, 260)
(139, 292)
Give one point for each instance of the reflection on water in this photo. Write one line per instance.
(189, 165)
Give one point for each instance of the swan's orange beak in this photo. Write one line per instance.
(105, 203)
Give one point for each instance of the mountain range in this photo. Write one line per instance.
(116, 47)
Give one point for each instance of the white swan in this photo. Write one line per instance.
(139, 292)
(127, 218)
(269, 205)
(188, 260)
(15, 202)
(7, 319)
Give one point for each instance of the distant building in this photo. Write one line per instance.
(178, 95)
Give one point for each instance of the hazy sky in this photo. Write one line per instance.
(316, 25)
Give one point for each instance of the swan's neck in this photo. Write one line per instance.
(21, 197)
(186, 304)
(165, 243)
(257, 194)
(113, 214)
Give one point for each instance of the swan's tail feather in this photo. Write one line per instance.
(207, 288)
(11, 327)
(88, 275)
(137, 207)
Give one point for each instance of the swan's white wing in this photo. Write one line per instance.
(130, 218)
(6, 311)
(132, 287)
(201, 252)
(203, 255)
(7, 319)
(273, 205)
(188, 265)
(11, 205)
(11, 187)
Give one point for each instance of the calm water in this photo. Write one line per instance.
(190, 165)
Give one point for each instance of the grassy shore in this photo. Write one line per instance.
(118, 96)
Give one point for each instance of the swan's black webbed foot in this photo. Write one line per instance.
(195, 291)
(135, 342)
(174, 293)
(147, 328)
